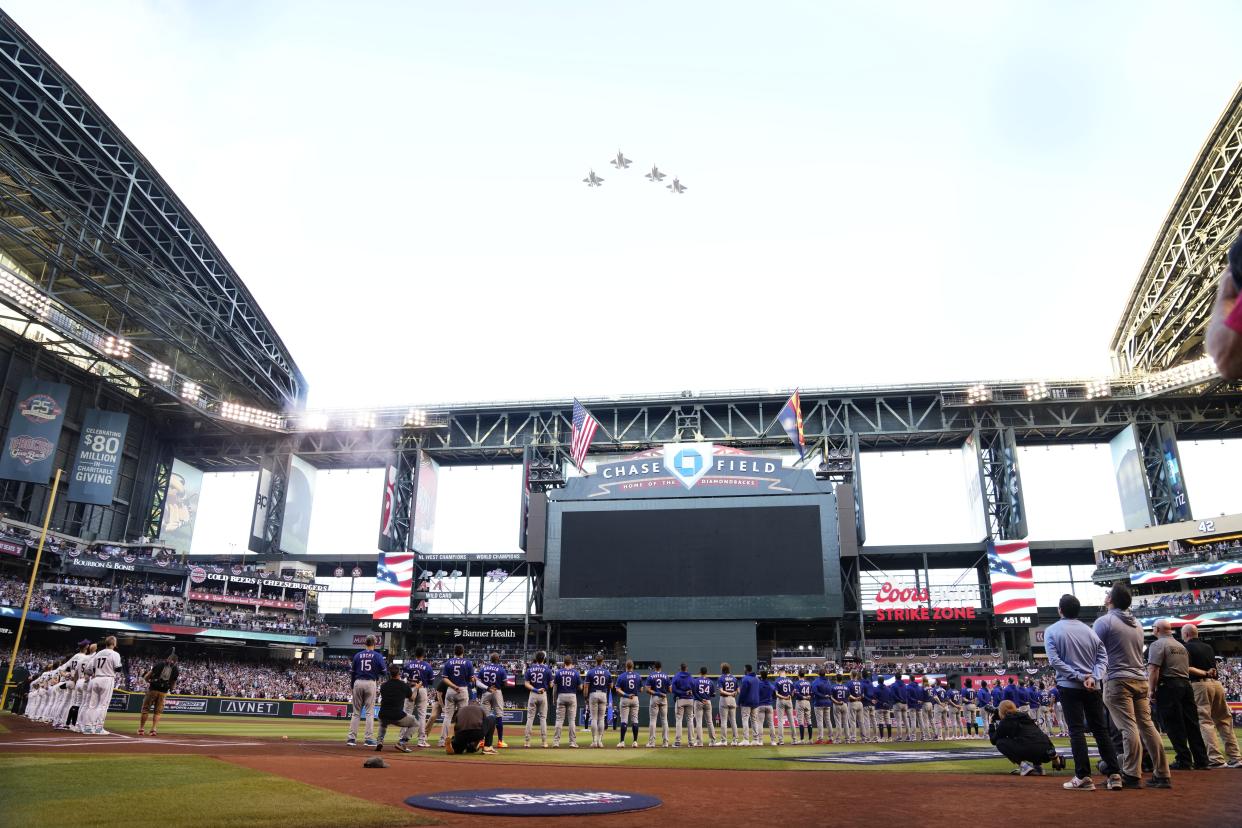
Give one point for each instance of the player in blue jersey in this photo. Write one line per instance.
(568, 683)
(998, 694)
(782, 687)
(419, 675)
(970, 706)
(456, 674)
(957, 706)
(802, 706)
(901, 710)
(920, 711)
(658, 685)
(868, 700)
(365, 673)
(747, 701)
(884, 701)
(727, 686)
(704, 692)
(538, 681)
(821, 702)
(942, 719)
(683, 700)
(629, 687)
(490, 683)
(598, 686)
(765, 698)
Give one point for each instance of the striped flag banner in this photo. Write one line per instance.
(585, 427)
(1013, 582)
(394, 581)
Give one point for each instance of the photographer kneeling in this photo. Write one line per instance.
(471, 731)
(1018, 737)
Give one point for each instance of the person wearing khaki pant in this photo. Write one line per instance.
(1214, 715)
(1126, 700)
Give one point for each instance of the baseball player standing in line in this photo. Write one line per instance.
(747, 701)
(841, 710)
(598, 685)
(568, 682)
(934, 707)
(901, 710)
(367, 669)
(763, 709)
(854, 694)
(802, 706)
(458, 672)
(72, 669)
(492, 677)
(629, 685)
(78, 700)
(538, 679)
(727, 685)
(868, 699)
(657, 686)
(821, 700)
(419, 675)
(104, 665)
(704, 692)
(924, 709)
(971, 706)
(683, 693)
(783, 688)
(957, 703)
(884, 701)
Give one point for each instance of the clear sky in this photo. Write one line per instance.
(878, 193)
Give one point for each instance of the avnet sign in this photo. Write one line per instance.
(236, 707)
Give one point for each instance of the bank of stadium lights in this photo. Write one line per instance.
(315, 421)
(1190, 373)
(364, 419)
(116, 347)
(415, 418)
(159, 372)
(1036, 391)
(978, 393)
(191, 392)
(1098, 388)
(24, 294)
(249, 416)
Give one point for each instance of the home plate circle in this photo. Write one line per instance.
(533, 802)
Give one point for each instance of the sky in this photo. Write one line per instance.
(878, 193)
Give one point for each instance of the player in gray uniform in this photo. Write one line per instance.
(597, 687)
(727, 686)
(568, 683)
(657, 686)
(538, 680)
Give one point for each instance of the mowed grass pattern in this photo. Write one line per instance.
(173, 792)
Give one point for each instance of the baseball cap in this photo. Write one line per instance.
(85, 642)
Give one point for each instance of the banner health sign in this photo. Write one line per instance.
(689, 469)
(34, 429)
(98, 459)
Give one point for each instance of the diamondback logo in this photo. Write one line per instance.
(39, 409)
(29, 449)
(689, 463)
(518, 802)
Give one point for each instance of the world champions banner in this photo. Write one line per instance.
(98, 459)
(34, 429)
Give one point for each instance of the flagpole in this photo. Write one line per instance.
(34, 572)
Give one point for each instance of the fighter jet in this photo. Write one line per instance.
(677, 187)
(620, 162)
(655, 175)
(593, 180)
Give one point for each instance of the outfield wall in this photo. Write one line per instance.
(123, 701)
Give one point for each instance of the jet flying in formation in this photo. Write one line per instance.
(593, 180)
(621, 163)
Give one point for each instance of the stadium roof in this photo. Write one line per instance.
(101, 262)
(1168, 310)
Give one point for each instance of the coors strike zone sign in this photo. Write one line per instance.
(689, 470)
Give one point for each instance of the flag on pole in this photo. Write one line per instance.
(791, 420)
(585, 427)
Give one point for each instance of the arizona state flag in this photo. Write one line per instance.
(791, 420)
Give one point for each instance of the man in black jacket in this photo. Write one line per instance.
(393, 694)
(160, 681)
(1022, 742)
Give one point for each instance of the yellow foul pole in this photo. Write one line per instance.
(34, 572)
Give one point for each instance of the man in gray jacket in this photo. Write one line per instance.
(1126, 690)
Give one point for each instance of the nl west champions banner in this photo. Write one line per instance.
(98, 459)
(34, 429)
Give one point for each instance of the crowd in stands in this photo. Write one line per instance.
(1178, 554)
(1202, 599)
(200, 613)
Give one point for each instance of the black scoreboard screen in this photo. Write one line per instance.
(694, 552)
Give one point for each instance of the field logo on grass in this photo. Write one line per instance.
(232, 707)
(524, 802)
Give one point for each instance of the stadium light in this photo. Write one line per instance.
(24, 294)
(315, 421)
(364, 419)
(249, 416)
(190, 391)
(978, 393)
(1036, 391)
(159, 372)
(116, 347)
(1190, 373)
(415, 418)
(1098, 388)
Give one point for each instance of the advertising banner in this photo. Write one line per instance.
(34, 429)
(320, 710)
(98, 460)
(248, 707)
(423, 505)
(185, 484)
(273, 603)
(185, 704)
(1131, 482)
(299, 500)
(8, 547)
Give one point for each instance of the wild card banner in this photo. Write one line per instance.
(98, 460)
(34, 429)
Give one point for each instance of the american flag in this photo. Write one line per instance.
(1013, 583)
(790, 418)
(394, 578)
(585, 427)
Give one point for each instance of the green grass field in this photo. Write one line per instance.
(173, 792)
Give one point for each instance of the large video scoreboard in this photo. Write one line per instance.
(746, 539)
